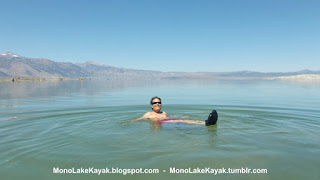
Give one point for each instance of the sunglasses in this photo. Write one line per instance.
(156, 103)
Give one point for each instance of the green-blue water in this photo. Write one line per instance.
(271, 125)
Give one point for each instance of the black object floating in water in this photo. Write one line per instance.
(212, 118)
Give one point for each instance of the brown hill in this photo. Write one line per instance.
(12, 65)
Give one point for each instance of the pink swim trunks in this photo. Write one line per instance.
(164, 120)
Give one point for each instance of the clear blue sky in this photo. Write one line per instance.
(167, 35)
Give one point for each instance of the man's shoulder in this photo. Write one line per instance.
(147, 114)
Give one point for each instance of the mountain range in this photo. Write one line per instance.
(12, 65)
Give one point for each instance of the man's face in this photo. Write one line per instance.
(156, 105)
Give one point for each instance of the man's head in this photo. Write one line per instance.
(155, 104)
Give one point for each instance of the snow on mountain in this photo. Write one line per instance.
(9, 54)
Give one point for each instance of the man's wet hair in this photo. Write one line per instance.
(156, 97)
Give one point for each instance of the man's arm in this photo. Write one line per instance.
(145, 116)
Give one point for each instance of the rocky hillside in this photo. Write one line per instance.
(12, 65)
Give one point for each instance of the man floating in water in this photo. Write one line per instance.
(160, 117)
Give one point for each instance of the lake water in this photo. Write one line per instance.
(271, 125)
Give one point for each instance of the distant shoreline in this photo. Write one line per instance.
(38, 79)
(302, 77)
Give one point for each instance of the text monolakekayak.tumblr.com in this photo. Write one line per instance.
(172, 170)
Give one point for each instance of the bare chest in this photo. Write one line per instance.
(157, 116)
